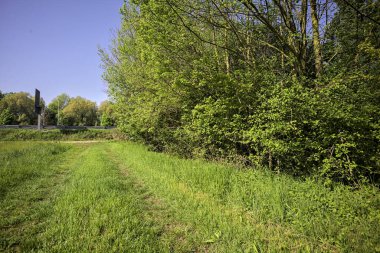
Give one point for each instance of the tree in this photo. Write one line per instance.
(79, 112)
(55, 107)
(6, 117)
(291, 85)
(316, 39)
(106, 113)
(20, 106)
(351, 26)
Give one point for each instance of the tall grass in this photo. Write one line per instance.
(119, 197)
(56, 134)
(30, 176)
(20, 162)
(232, 210)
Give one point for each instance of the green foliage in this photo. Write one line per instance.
(55, 106)
(79, 112)
(106, 113)
(6, 117)
(18, 108)
(186, 78)
(64, 134)
(346, 34)
(106, 120)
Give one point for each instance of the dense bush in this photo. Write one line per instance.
(188, 79)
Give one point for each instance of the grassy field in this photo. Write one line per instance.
(119, 197)
(57, 134)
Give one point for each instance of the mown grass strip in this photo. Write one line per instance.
(100, 211)
(30, 178)
(228, 210)
(173, 235)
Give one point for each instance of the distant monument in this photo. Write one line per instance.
(37, 107)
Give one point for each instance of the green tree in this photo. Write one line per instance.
(291, 85)
(56, 106)
(21, 107)
(5, 117)
(79, 112)
(353, 24)
(106, 113)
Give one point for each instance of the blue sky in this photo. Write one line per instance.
(52, 45)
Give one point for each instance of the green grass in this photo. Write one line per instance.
(119, 197)
(29, 178)
(56, 134)
(253, 210)
(100, 211)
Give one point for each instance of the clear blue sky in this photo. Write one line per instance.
(52, 45)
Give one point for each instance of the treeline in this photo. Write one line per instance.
(291, 85)
(18, 109)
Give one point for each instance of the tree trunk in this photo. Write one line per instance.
(303, 22)
(316, 38)
(216, 54)
(227, 55)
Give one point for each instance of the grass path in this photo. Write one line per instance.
(215, 208)
(118, 197)
(31, 176)
(99, 211)
(197, 221)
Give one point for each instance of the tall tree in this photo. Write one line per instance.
(316, 38)
(106, 113)
(80, 112)
(21, 106)
(283, 84)
(55, 107)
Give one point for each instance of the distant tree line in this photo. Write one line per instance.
(18, 109)
(291, 85)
